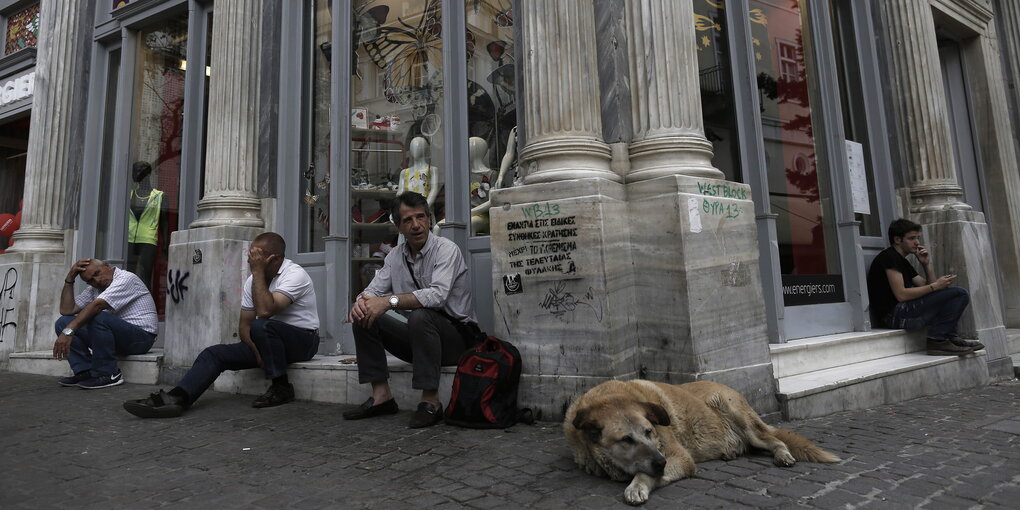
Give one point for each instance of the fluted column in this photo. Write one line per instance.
(1009, 17)
(669, 131)
(53, 153)
(231, 165)
(919, 101)
(561, 84)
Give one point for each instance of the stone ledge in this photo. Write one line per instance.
(877, 382)
(139, 369)
(325, 379)
(830, 351)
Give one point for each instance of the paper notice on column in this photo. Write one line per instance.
(858, 177)
(693, 209)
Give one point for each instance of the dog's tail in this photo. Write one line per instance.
(803, 449)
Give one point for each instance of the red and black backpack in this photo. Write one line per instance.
(485, 387)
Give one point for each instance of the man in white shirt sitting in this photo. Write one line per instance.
(278, 325)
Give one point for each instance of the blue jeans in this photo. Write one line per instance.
(278, 343)
(940, 311)
(106, 336)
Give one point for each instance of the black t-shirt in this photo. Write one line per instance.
(882, 299)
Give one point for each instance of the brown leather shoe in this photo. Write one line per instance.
(946, 348)
(427, 415)
(368, 409)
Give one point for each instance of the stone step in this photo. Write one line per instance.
(326, 379)
(1013, 341)
(819, 353)
(140, 369)
(875, 382)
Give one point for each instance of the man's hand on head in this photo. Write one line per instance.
(76, 269)
(257, 260)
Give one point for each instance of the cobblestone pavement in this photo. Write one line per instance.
(69, 448)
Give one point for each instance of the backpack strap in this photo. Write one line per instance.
(472, 335)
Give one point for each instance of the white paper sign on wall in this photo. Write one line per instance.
(858, 177)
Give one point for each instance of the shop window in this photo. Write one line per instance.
(14, 136)
(155, 163)
(492, 106)
(396, 121)
(22, 30)
(799, 185)
(315, 179)
(852, 105)
(108, 156)
(715, 78)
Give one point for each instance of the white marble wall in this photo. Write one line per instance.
(572, 318)
(30, 285)
(695, 251)
(207, 312)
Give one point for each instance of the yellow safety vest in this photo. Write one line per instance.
(145, 229)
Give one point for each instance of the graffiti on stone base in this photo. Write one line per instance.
(7, 304)
(175, 287)
(562, 304)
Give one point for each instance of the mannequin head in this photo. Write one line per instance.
(140, 170)
(476, 154)
(418, 146)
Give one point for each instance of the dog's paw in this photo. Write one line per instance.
(783, 458)
(636, 493)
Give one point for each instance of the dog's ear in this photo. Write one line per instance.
(585, 423)
(656, 414)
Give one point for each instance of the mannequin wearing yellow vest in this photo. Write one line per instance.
(145, 220)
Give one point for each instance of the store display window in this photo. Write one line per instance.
(22, 30)
(14, 136)
(716, 81)
(396, 121)
(155, 151)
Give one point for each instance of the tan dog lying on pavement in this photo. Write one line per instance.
(653, 433)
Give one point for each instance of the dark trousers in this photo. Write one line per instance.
(278, 343)
(95, 345)
(940, 311)
(428, 340)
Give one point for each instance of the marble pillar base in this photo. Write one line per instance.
(695, 254)
(960, 244)
(207, 268)
(30, 285)
(562, 287)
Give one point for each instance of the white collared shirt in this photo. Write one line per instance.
(128, 299)
(291, 281)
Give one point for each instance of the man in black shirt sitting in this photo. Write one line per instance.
(901, 298)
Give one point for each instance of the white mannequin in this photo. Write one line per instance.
(479, 171)
(420, 177)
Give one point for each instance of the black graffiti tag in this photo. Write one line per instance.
(7, 303)
(175, 284)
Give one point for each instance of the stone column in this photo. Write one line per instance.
(561, 84)
(669, 132)
(32, 271)
(211, 254)
(54, 149)
(231, 166)
(918, 97)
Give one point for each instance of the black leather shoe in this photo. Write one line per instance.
(369, 410)
(946, 348)
(158, 405)
(963, 342)
(277, 394)
(426, 415)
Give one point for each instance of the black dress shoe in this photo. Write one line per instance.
(368, 409)
(277, 394)
(158, 405)
(963, 342)
(427, 415)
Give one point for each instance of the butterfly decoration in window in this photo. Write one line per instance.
(409, 51)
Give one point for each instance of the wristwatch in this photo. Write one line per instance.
(67, 332)
(393, 302)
